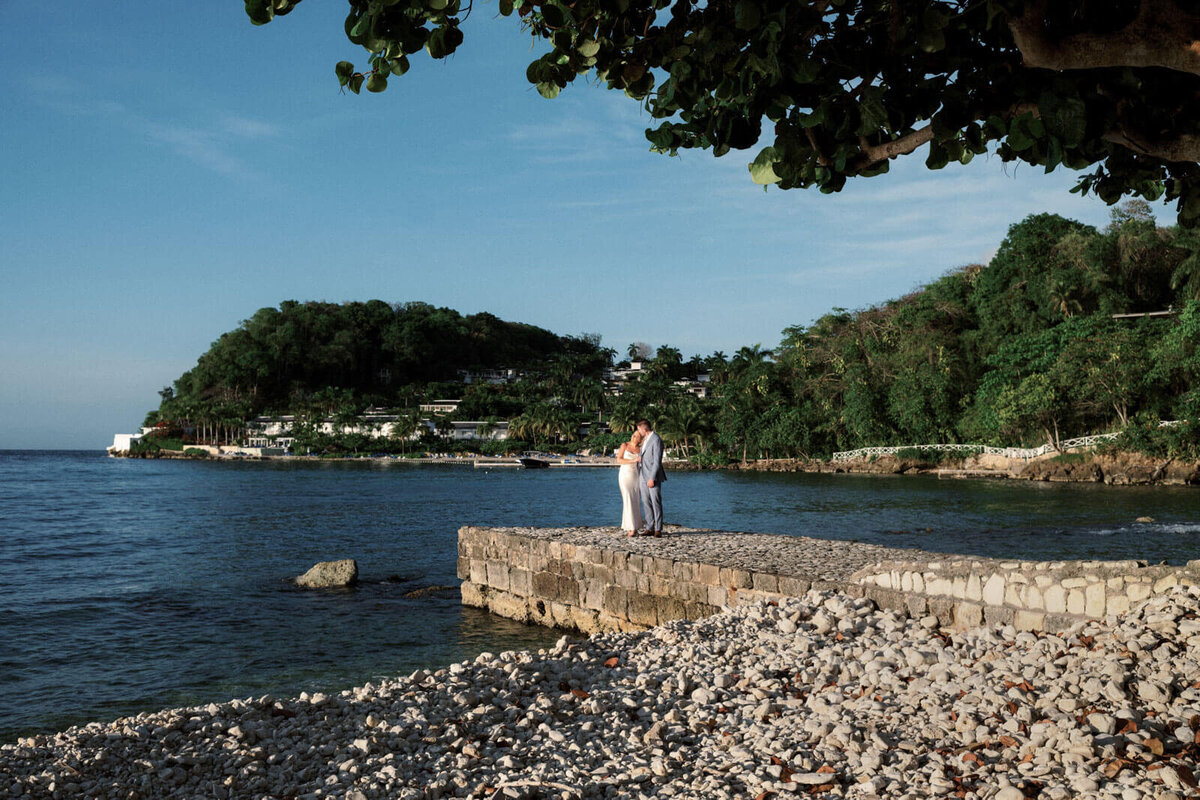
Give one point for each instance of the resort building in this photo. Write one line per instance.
(123, 442)
(440, 407)
(699, 387)
(494, 376)
(278, 431)
(463, 431)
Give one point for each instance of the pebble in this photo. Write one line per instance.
(850, 702)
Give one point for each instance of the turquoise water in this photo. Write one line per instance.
(129, 585)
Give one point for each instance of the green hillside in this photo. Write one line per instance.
(1069, 330)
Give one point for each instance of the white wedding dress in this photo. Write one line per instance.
(631, 493)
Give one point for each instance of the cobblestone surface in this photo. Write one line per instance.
(798, 556)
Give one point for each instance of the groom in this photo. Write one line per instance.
(650, 471)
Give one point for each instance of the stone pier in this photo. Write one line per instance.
(594, 579)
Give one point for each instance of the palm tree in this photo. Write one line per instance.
(522, 427)
(751, 354)
(717, 359)
(680, 424)
(405, 427)
(1185, 279)
(621, 421)
(587, 394)
(1064, 299)
(485, 429)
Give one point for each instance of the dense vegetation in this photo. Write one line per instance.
(327, 359)
(1024, 350)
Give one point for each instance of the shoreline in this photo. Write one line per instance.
(821, 696)
(1112, 469)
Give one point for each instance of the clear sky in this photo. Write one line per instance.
(168, 169)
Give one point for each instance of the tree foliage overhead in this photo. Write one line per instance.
(837, 88)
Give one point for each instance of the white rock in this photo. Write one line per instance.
(813, 778)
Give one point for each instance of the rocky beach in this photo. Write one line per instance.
(1111, 468)
(821, 696)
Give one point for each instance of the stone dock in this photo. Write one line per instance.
(595, 580)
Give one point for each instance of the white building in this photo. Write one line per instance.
(625, 373)
(495, 376)
(277, 431)
(440, 407)
(124, 442)
(463, 431)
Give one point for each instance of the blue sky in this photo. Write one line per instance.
(170, 169)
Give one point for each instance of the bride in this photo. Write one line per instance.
(627, 479)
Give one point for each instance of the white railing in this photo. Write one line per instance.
(1079, 442)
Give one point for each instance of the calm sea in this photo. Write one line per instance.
(129, 585)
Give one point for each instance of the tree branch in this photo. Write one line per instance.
(1161, 35)
(1185, 147)
(812, 141)
(872, 155)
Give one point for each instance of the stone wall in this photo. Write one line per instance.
(1031, 595)
(594, 580)
(593, 587)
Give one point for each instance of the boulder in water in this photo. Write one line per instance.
(427, 591)
(330, 573)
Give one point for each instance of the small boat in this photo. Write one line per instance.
(534, 463)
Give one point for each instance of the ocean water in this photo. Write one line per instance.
(131, 585)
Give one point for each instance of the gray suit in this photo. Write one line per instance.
(651, 468)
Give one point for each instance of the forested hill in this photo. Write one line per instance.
(1068, 330)
(302, 355)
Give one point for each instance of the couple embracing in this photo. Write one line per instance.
(640, 479)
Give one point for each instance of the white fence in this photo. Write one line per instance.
(1078, 442)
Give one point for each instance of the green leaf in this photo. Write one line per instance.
(438, 5)
(768, 155)
(935, 18)
(1018, 140)
(260, 12)
(1064, 116)
(443, 41)
(938, 157)
(931, 41)
(1054, 154)
(763, 174)
(552, 15)
(400, 65)
(817, 117)
(536, 71)
(344, 70)
(873, 112)
(377, 82)
(588, 48)
(762, 168)
(746, 15)
(361, 27)
(506, 8)
(356, 82)
(549, 90)
(806, 71)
